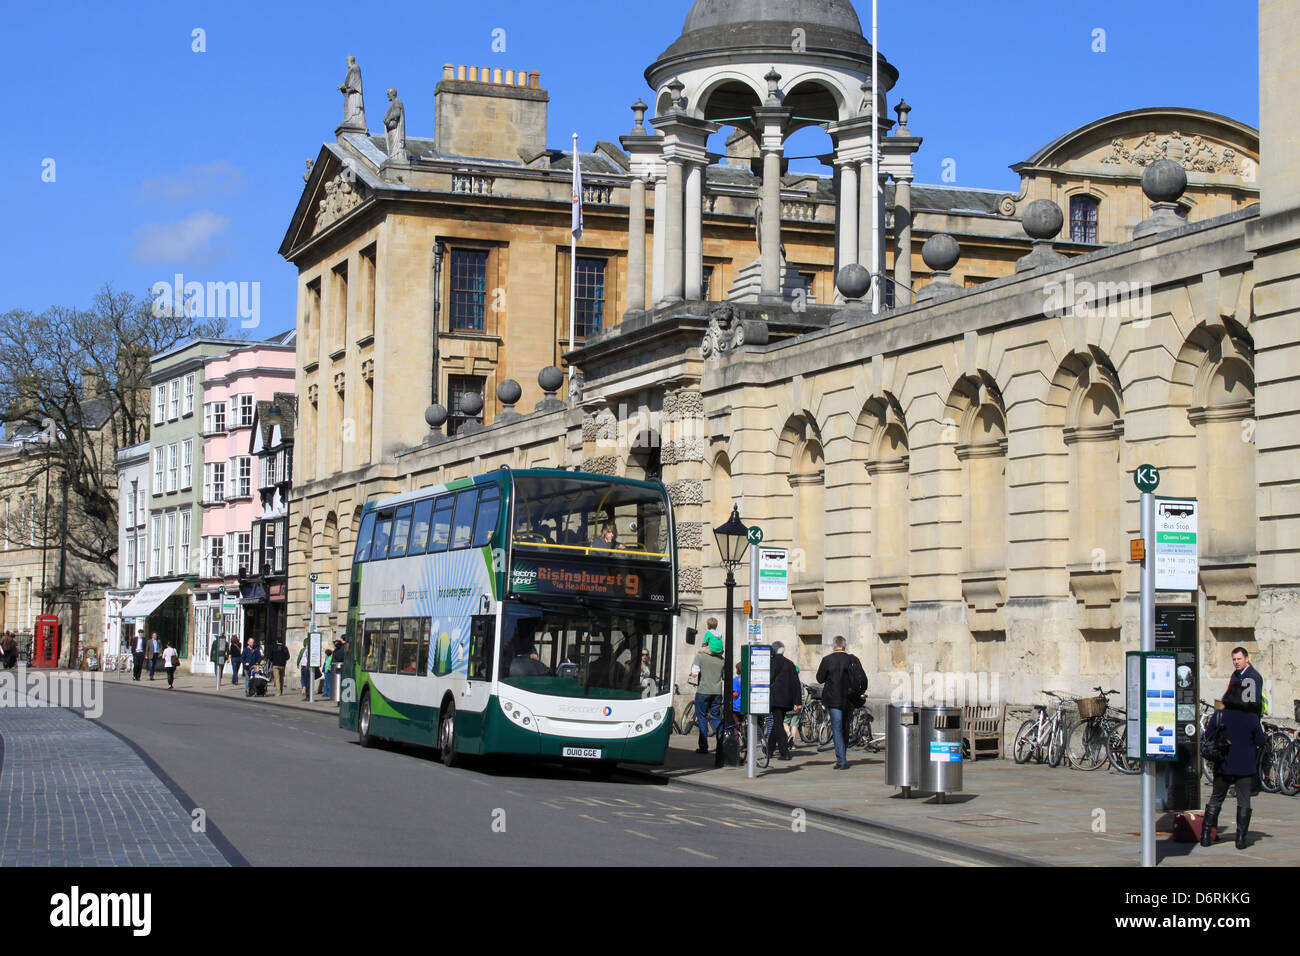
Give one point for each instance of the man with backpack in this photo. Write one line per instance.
(844, 687)
(279, 661)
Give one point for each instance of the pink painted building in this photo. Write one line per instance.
(233, 385)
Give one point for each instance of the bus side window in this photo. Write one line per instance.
(363, 537)
(489, 508)
(420, 526)
(440, 533)
(463, 526)
(480, 647)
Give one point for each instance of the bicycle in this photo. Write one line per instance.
(1088, 745)
(862, 734)
(1043, 737)
(814, 719)
(686, 721)
(1270, 761)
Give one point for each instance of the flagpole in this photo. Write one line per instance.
(875, 164)
(573, 247)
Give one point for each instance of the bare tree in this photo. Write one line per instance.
(74, 390)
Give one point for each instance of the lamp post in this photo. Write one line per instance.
(733, 539)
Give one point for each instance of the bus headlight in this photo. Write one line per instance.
(518, 714)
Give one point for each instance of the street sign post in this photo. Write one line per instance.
(1147, 478)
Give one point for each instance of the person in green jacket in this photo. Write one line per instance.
(707, 669)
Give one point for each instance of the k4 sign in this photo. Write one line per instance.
(1176, 566)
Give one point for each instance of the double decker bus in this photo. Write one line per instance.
(528, 612)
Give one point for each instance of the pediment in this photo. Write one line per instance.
(333, 190)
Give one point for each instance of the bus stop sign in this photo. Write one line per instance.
(1147, 478)
(754, 534)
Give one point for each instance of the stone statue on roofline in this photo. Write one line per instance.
(354, 105)
(395, 128)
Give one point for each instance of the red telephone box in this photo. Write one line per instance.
(45, 645)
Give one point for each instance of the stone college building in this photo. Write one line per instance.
(953, 473)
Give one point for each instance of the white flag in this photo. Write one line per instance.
(577, 194)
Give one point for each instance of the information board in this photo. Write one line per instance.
(314, 658)
(322, 598)
(753, 631)
(773, 574)
(1178, 784)
(1159, 706)
(756, 679)
(1176, 563)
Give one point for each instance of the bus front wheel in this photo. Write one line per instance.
(447, 736)
(364, 736)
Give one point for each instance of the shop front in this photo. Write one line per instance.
(263, 599)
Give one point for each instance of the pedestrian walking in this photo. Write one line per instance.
(304, 668)
(235, 653)
(155, 652)
(138, 654)
(1248, 680)
(707, 670)
(9, 650)
(250, 656)
(786, 698)
(326, 681)
(279, 660)
(844, 684)
(1239, 768)
(170, 659)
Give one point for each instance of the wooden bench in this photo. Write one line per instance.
(981, 729)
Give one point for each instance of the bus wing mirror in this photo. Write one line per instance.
(690, 635)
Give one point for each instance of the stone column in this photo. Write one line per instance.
(771, 264)
(694, 248)
(636, 245)
(660, 240)
(848, 213)
(864, 214)
(902, 240)
(674, 279)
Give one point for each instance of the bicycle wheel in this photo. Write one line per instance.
(1055, 744)
(1288, 770)
(1086, 746)
(1026, 743)
(1119, 758)
(687, 721)
(1270, 760)
(856, 725)
(810, 719)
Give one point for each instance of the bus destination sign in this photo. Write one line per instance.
(575, 579)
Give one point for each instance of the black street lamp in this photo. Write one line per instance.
(733, 539)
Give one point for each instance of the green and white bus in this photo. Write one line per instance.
(527, 612)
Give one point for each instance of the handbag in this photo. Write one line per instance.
(1188, 826)
(1214, 745)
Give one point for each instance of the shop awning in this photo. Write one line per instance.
(149, 597)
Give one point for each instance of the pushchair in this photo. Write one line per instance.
(257, 681)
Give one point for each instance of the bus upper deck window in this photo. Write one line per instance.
(463, 525)
(420, 526)
(440, 530)
(489, 509)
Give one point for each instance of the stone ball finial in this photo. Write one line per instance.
(853, 281)
(508, 392)
(1164, 181)
(550, 379)
(471, 404)
(1042, 219)
(435, 415)
(941, 252)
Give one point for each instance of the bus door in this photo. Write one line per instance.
(482, 637)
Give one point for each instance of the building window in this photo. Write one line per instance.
(708, 279)
(158, 470)
(589, 297)
(140, 554)
(185, 542)
(214, 418)
(174, 398)
(187, 464)
(241, 411)
(1083, 219)
(214, 482)
(155, 540)
(171, 466)
(458, 386)
(215, 557)
(131, 545)
(243, 552)
(171, 543)
(241, 477)
(465, 307)
(159, 404)
(188, 407)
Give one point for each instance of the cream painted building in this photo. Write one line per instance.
(954, 475)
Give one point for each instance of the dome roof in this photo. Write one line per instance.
(827, 13)
(761, 29)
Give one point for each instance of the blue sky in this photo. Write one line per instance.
(168, 160)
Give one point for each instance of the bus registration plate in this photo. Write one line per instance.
(590, 753)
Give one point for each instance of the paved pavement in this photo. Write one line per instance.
(1031, 813)
(73, 794)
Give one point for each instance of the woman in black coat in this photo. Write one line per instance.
(1238, 769)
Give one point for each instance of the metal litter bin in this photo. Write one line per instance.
(903, 746)
(941, 761)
